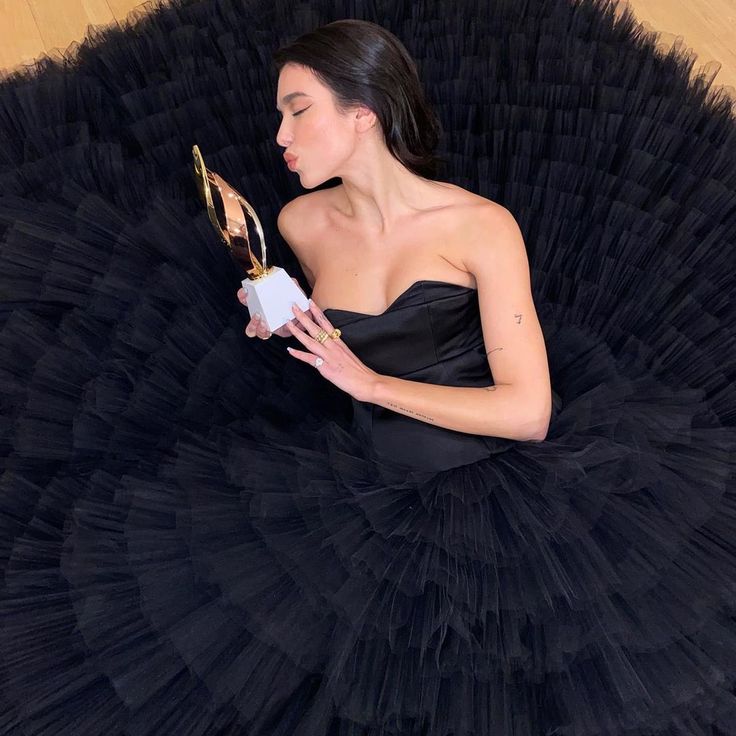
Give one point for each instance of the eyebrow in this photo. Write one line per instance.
(286, 99)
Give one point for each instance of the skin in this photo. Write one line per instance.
(383, 202)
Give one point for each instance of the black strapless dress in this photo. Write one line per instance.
(430, 333)
(200, 536)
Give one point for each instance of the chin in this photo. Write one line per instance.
(309, 182)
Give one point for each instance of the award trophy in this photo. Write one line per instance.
(270, 290)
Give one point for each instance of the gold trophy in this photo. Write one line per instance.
(270, 290)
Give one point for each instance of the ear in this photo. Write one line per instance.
(365, 119)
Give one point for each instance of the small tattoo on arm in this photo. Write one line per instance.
(518, 319)
(493, 350)
(409, 411)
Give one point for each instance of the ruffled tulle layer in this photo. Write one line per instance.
(192, 541)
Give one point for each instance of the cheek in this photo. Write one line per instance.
(338, 145)
(331, 139)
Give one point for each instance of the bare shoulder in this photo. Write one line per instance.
(480, 224)
(475, 208)
(301, 215)
(494, 245)
(299, 223)
(462, 206)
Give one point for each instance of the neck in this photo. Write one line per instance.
(381, 192)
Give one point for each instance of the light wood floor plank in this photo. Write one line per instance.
(62, 23)
(121, 8)
(20, 37)
(708, 27)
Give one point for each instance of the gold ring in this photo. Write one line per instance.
(321, 336)
(335, 334)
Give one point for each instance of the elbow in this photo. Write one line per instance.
(536, 429)
(527, 423)
(538, 436)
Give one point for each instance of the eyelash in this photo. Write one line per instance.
(294, 114)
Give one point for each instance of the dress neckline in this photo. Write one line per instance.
(401, 296)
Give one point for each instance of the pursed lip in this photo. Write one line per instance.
(289, 157)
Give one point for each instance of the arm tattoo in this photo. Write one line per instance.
(518, 319)
(493, 350)
(409, 411)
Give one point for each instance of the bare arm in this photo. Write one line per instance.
(493, 410)
(519, 405)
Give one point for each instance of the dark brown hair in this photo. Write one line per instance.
(364, 64)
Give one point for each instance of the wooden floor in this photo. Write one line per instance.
(30, 28)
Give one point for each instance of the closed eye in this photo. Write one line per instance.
(296, 113)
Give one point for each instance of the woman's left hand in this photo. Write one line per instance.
(338, 363)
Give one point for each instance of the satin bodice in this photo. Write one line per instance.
(430, 333)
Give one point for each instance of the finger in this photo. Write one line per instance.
(254, 326)
(306, 339)
(261, 329)
(296, 325)
(302, 355)
(242, 296)
(263, 332)
(319, 317)
(284, 330)
(305, 319)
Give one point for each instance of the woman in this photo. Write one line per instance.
(386, 230)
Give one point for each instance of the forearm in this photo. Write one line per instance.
(498, 411)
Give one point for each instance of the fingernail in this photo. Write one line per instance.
(257, 317)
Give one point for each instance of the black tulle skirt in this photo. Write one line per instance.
(192, 539)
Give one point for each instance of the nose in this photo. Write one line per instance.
(283, 136)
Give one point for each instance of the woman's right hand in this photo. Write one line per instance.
(255, 328)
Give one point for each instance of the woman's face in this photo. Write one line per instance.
(312, 131)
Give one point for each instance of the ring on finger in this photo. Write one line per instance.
(321, 336)
(335, 334)
(318, 362)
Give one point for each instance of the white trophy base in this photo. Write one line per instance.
(272, 296)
